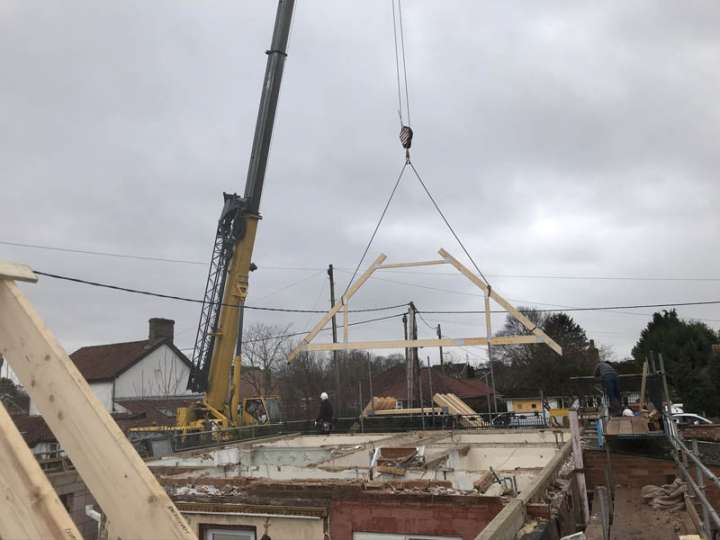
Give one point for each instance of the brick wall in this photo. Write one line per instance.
(442, 519)
(628, 470)
(637, 471)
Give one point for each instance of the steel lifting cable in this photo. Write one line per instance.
(406, 135)
(400, 54)
(406, 132)
(377, 225)
(447, 223)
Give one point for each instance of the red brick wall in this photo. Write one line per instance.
(637, 471)
(628, 470)
(465, 521)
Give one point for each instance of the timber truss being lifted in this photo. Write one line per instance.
(536, 334)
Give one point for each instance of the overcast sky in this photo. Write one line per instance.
(566, 141)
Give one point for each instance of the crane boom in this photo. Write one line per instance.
(218, 341)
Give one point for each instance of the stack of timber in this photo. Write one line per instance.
(457, 407)
(627, 425)
(387, 406)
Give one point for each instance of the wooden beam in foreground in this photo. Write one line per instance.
(527, 323)
(30, 506)
(409, 343)
(135, 504)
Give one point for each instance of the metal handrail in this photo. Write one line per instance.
(702, 471)
(679, 445)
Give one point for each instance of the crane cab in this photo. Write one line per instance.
(260, 410)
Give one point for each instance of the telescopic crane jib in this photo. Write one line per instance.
(218, 343)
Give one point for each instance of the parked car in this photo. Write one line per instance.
(687, 419)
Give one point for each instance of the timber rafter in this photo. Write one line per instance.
(536, 334)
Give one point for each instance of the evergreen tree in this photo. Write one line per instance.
(691, 365)
(536, 366)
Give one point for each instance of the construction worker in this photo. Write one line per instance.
(323, 422)
(609, 378)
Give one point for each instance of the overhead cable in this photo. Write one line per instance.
(199, 301)
(347, 269)
(295, 334)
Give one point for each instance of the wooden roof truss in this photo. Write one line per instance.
(536, 334)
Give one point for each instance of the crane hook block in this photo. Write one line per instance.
(406, 135)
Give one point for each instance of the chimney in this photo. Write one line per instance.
(161, 329)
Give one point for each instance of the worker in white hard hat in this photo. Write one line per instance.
(324, 418)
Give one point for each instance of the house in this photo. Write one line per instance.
(152, 367)
(393, 383)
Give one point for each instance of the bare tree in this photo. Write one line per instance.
(167, 376)
(265, 350)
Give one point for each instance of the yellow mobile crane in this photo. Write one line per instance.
(216, 360)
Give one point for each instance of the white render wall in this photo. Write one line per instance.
(161, 373)
(102, 390)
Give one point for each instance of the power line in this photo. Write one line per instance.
(348, 269)
(197, 300)
(365, 310)
(601, 308)
(102, 253)
(295, 334)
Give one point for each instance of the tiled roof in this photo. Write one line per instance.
(33, 429)
(106, 362)
(150, 411)
(392, 383)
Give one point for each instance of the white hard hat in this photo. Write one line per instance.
(323, 396)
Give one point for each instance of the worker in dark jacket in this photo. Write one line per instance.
(609, 378)
(324, 418)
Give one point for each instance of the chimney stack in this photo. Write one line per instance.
(161, 329)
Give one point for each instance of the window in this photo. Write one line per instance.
(534, 405)
(211, 532)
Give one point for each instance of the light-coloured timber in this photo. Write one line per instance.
(643, 384)
(131, 497)
(413, 264)
(527, 323)
(17, 272)
(457, 407)
(434, 342)
(538, 336)
(414, 410)
(579, 467)
(30, 505)
(343, 300)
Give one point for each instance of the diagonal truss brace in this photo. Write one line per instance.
(537, 335)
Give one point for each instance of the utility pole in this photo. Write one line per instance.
(372, 405)
(432, 402)
(336, 356)
(408, 368)
(413, 370)
(442, 360)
